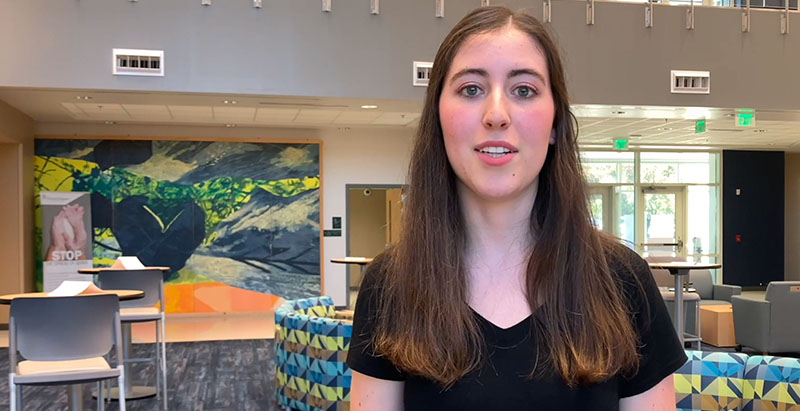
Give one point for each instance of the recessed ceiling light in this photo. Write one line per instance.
(230, 125)
(110, 122)
(617, 112)
(368, 106)
(230, 101)
(83, 98)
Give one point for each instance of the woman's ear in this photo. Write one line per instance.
(553, 137)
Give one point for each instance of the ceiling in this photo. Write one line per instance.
(599, 125)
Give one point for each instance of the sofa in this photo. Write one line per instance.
(311, 374)
(310, 351)
(736, 381)
(766, 324)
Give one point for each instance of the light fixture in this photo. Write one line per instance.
(439, 9)
(759, 130)
(110, 122)
(205, 2)
(257, 4)
(326, 6)
(83, 98)
(230, 101)
(617, 112)
(368, 106)
(374, 7)
(664, 129)
(230, 125)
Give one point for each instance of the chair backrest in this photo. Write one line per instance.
(149, 281)
(702, 282)
(663, 277)
(784, 298)
(64, 328)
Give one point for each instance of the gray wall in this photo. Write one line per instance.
(290, 47)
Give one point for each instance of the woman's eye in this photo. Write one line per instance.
(524, 91)
(470, 91)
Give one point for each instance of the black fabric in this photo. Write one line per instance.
(502, 383)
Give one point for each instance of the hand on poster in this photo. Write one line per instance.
(68, 237)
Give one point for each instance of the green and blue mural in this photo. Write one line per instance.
(243, 214)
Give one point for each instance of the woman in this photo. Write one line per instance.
(501, 294)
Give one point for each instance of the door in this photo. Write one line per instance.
(601, 205)
(662, 222)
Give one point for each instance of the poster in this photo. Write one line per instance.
(66, 237)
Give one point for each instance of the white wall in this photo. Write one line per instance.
(357, 156)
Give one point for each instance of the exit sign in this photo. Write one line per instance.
(700, 126)
(620, 144)
(745, 118)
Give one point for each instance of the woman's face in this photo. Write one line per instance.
(496, 112)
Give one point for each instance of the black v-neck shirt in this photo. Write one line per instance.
(503, 383)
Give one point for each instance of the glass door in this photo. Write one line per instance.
(662, 221)
(600, 202)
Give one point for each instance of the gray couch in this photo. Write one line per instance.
(769, 325)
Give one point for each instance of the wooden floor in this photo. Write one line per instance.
(202, 376)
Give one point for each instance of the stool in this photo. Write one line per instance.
(690, 300)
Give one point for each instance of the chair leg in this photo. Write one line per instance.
(101, 405)
(121, 382)
(12, 394)
(164, 362)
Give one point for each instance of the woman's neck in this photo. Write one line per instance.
(498, 230)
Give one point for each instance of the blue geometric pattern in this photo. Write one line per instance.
(772, 383)
(710, 381)
(310, 352)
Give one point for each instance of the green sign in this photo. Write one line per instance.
(620, 144)
(700, 126)
(746, 119)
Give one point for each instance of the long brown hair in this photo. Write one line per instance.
(425, 326)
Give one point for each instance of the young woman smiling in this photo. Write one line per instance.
(501, 293)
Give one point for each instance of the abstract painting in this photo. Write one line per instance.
(246, 215)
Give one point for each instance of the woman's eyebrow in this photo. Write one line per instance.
(467, 71)
(512, 73)
(527, 71)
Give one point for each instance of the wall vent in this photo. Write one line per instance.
(131, 62)
(690, 82)
(422, 73)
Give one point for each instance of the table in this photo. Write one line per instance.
(717, 325)
(75, 394)
(132, 392)
(359, 261)
(97, 270)
(680, 269)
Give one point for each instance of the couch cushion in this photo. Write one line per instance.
(710, 381)
(772, 383)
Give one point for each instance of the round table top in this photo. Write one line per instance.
(123, 295)
(352, 260)
(687, 265)
(97, 270)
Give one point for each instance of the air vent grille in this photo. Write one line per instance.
(132, 62)
(690, 82)
(422, 73)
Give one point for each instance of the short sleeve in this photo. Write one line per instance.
(362, 357)
(661, 353)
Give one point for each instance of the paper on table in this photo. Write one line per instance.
(128, 263)
(71, 288)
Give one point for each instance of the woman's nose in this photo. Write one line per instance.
(496, 114)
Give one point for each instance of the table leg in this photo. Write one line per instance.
(75, 397)
(679, 305)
